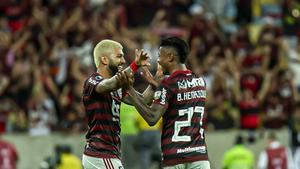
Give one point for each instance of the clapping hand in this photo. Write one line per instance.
(125, 79)
(141, 58)
(149, 77)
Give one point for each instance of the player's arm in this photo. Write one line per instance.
(154, 82)
(147, 96)
(112, 83)
(151, 113)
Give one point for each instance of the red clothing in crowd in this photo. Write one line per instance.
(8, 155)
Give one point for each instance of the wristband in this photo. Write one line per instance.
(134, 66)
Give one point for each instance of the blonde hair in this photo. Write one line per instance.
(105, 47)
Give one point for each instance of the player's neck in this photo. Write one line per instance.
(177, 68)
(104, 72)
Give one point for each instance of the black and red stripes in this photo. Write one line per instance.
(103, 114)
(183, 139)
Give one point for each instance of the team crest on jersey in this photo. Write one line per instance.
(98, 77)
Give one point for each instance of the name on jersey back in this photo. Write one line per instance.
(196, 94)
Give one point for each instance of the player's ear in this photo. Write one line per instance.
(171, 57)
(104, 60)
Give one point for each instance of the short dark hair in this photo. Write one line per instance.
(272, 136)
(179, 45)
(239, 139)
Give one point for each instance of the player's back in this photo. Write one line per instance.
(183, 135)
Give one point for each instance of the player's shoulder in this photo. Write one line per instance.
(94, 78)
(165, 80)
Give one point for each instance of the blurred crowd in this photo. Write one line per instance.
(248, 50)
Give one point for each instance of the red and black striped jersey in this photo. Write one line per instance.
(103, 116)
(277, 158)
(8, 155)
(183, 94)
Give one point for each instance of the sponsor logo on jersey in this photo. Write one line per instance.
(200, 149)
(92, 81)
(184, 84)
(163, 96)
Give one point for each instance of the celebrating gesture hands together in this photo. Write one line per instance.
(125, 79)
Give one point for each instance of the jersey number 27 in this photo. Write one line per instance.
(187, 123)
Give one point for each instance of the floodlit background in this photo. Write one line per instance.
(248, 51)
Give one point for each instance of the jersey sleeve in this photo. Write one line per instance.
(91, 84)
(162, 95)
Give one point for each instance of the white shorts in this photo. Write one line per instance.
(89, 162)
(192, 165)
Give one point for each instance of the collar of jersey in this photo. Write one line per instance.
(180, 72)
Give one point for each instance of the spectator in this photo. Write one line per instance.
(249, 104)
(63, 159)
(53, 36)
(8, 155)
(67, 160)
(275, 155)
(238, 157)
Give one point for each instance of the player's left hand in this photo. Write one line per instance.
(146, 74)
(141, 58)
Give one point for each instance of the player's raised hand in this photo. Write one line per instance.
(146, 74)
(141, 58)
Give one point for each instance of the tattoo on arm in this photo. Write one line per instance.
(150, 113)
(110, 84)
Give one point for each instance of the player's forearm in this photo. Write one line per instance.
(148, 94)
(112, 83)
(145, 111)
(108, 85)
(128, 70)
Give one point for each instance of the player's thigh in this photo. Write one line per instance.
(178, 166)
(101, 163)
(199, 165)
